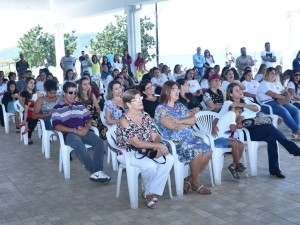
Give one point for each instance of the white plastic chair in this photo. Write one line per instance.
(6, 117)
(111, 154)
(204, 126)
(19, 108)
(64, 153)
(46, 137)
(131, 171)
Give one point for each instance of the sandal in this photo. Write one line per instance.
(153, 199)
(295, 137)
(202, 190)
(25, 131)
(150, 202)
(186, 187)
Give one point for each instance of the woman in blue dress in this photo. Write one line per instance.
(174, 121)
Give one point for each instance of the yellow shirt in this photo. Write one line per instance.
(139, 74)
(96, 69)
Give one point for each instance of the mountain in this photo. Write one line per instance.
(83, 43)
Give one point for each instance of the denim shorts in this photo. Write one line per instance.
(223, 142)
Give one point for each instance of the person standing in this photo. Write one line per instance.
(87, 64)
(67, 62)
(199, 60)
(243, 61)
(81, 58)
(268, 57)
(74, 121)
(296, 62)
(21, 65)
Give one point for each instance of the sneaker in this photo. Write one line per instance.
(240, 168)
(235, 175)
(100, 177)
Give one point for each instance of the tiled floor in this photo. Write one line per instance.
(32, 191)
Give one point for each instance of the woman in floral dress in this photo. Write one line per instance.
(174, 121)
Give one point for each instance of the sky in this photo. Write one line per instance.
(184, 25)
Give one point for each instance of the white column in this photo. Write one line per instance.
(133, 32)
(59, 49)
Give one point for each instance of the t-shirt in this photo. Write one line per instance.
(270, 55)
(204, 84)
(266, 86)
(291, 85)
(247, 112)
(40, 86)
(224, 123)
(251, 87)
(67, 63)
(259, 77)
(72, 116)
(21, 67)
(3, 88)
(194, 86)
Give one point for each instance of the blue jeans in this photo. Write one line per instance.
(289, 113)
(270, 134)
(47, 121)
(77, 143)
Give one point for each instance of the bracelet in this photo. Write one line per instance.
(74, 130)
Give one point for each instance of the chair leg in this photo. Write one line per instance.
(46, 141)
(66, 163)
(119, 181)
(252, 148)
(6, 123)
(132, 180)
(108, 154)
(179, 177)
(211, 173)
(217, 163)
(170, 187)
(114, 160)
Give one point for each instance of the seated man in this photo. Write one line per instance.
(73, 120)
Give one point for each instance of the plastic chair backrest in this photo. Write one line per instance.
(204, 121)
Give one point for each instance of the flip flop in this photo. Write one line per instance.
(204, 191)
(153, 199)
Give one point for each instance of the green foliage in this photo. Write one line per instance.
(70, 40)
(38, 47)
(114, 38)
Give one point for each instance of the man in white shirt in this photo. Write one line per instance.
(67, 62)
(268, 57)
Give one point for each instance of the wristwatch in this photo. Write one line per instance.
(74, 130)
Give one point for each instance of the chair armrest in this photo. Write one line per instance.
(95, 130)
(269, 107)
(61, 137)
(172, 145)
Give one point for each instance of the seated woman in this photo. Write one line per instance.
(272, 93)
(70, 76)
(33, 96)
(166, 74)
(229, 77)
(204, 84)
(94, 86)
(174, 121)
(157, 81)
(44, 105)
(194, 87)
(293, 87)
(114, 106)
(187, 98)
(177, 72)
(263, 132)
(260, 73)
(140, 72)
(136, 132)
(90, 102)
(9, 97)
(250, 84)
(215, 96)
(150, 101)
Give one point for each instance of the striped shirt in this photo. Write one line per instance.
(72, 116)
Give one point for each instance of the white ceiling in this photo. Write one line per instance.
(72, 8)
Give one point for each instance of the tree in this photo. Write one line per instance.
(38, 47)
(114, 38)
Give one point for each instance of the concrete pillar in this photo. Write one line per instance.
(133, 32)
(59, 49)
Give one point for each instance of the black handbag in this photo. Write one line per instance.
(256, 121)
(150, 153)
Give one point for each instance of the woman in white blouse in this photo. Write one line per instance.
(229, 78)
(293, 88)
(250, 84)
(273, 94)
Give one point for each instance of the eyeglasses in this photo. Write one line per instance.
(71, 92)
(297, 74)
(125, 71)
(175, 89)
(137, 99)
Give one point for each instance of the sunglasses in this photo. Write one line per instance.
(71, 92)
